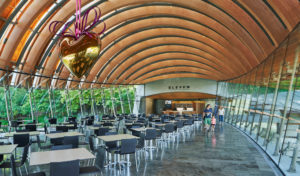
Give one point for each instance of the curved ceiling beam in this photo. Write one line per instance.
(165, 39)
(38, 27)
(135, 51)
(135, 64)
(164, 71)
(164, 64)
(115, 42)
(11, 17)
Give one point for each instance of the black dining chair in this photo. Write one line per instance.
(111, 147)
(20, 163)
(14, 170)
(128, 146)
(62, 128)
(21, 140)
(52, 121)
(61, 147)
(73, 140)
(30, 127)
(68, 168)
(169, 129)
(102, 131)
(150, 136)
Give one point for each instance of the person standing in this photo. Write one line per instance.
(207, 113)
(221, 113)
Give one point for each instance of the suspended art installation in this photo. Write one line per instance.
(79, 49)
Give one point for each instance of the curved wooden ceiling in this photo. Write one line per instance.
(148, 40)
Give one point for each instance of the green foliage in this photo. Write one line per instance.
(41, 104)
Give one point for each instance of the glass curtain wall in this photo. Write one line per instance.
(40, 103)
(265, 103)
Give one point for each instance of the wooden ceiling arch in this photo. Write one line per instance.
(135, 64)
(234, 35)
(165, 64)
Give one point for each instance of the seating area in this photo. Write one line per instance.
(72, 151)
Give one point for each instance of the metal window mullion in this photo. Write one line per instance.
(128, 98)
(50, 103)
(80, 102)
(103, 101)
(257, 97)
(265, 99)
(93, 110)
(112, 100)
(235, 89)
(251, 88)
(297, 144)
(121, 101)
(270, 121)
(276, 151)
(246, 89)
(238, 103)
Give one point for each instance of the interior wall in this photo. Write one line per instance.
(149, 105)
(181, 85)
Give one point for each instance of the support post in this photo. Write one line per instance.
(103, 101)
(112, 98)
(121, 100)
(93, 102)
(129, 102)
(29, 88)
(67, 101)
(50, 101)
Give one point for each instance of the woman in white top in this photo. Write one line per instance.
(221, 113)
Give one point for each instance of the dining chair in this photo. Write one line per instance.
(128, 146)
(111, 147)
(20, 163)
(73, 140)
(150, 136)
(67, 168)
(62, 128)
(14, 170)
(30, 127)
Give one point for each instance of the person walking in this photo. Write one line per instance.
(213, 123)
(207, 113)
(221, 113)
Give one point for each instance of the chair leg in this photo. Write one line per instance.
(26, 168)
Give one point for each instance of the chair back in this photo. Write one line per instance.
(128, 146)
(179, 124)
(68, 168)
(57, 141)
(61, 147)
(112, 144)
(52, 121)
(73, 140)
(30, 127)
(13, 165)
(150, 134)
(45, 129)
(158, 133)
(91, 143)
(102, 131)
(21, 139)
(141, 141)
(62, 128)
(169, 128)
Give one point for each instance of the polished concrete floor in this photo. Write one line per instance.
(223, 152)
